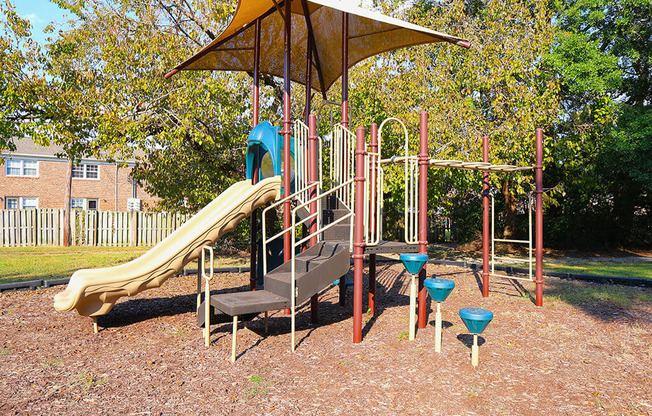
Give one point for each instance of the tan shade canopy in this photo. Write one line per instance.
(370, 33)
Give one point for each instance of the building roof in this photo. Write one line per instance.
(27, 147)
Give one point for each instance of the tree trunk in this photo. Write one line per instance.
(510, 210)
(66, 206)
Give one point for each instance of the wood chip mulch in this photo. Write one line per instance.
(149, 356)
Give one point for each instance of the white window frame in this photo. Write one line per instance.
(21, 167)
(85, 171)
(21, 201)
(84, 203)
(13, 198)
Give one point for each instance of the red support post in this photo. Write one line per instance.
(287, 131)
(358, 235)
(307, 110)
(345, 70)
(373, 148)
(538, 169)
(256, 73)
(312, 181)
(423, 213)
(485, 219)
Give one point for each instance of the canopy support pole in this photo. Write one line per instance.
(311, 40)
(538, 172)
(308, 84)
(254, 176)
(345, 70)
(287, 130)
(485, 219)
(423, 213)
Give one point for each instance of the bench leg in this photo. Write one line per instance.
(233, 341)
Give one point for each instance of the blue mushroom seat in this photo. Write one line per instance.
(413, 262)
(476, 319)
(439, 289)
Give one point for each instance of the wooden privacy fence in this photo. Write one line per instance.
(33, 227)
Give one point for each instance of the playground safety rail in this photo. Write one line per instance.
(276, 204)
(341, 167)
(411, 172)
(302, 160)
(320, 229)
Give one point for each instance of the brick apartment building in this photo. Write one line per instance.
(33, 177)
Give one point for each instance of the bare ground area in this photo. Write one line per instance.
(572, 357)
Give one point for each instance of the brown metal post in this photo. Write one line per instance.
(485, 219)
(373, 148)
(539, 217)
(423, 213)
(308, 82)
(358, 244)
(256, 98)
(287, 131)
(312, 180)
(254, 176)
(345, 70)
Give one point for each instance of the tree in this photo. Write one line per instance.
(498, 88)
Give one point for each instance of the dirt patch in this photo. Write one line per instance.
(571, 357)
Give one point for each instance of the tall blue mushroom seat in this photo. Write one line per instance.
(413, 263)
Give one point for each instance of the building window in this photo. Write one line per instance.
(11, 203)
(86, 171)
(22, 202)
(83, 203)
(19, 167)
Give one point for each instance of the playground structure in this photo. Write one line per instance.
(326, 223)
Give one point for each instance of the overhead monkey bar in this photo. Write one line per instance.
(458, 164)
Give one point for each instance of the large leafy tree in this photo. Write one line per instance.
(497, 88)
(603, 60)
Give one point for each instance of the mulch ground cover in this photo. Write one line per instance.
(567, 358)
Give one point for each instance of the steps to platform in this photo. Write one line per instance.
(316, 268)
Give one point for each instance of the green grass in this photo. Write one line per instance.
(640, 270)
(44, 263)
(580, 294)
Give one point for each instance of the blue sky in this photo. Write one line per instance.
(40, 13)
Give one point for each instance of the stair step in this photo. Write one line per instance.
(316, 268)
(216, 316)
(242, 303)
(340, 232)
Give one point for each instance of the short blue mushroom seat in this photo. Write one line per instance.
(439, 289)
(476, 319)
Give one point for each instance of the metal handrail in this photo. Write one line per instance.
(274, 205)
(293, 283)
(411, 182)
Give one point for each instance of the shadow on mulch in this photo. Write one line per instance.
(467, 340)
(602, 301)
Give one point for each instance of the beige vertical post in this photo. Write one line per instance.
(234, 339)
(134, 228)
(438, 328)
(207, 291)
(95, 330)
(474, 351)
(413, 306)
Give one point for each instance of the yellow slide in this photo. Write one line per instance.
(93, 292)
